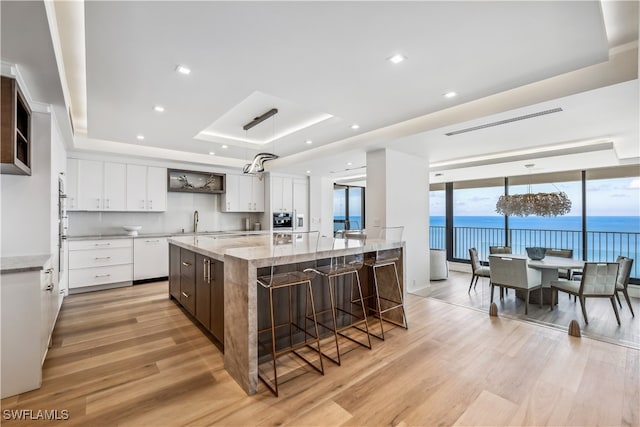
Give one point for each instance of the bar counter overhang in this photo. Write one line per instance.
(242, 256)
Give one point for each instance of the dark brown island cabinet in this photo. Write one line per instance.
(196, 282)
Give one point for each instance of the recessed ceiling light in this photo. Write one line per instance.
(211, 153)
(355, 126)
(450, 94)
(225, 146)
(158, 108)
(308, 141)
(397, 58)
(140, 137)
(349, 163)
(183, 70)
(308, 171)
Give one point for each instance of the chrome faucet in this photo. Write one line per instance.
(195, 221)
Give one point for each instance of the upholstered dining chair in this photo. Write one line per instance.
(514, 273)
(562, 253)
(598, 281)
(499, 249)
(477, 269)
(622, 281)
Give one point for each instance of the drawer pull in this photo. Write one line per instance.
(48, 271)
(102, 257)
(186, 264)
(102, 275)
(102, 244)
(49, 287)
(185, 294)
(152, 241)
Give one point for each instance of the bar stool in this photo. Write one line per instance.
(342, 316)
(288, 244)
(387, 259)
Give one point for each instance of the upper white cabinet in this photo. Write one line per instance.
(244, 193)
(101, 186)
(281, 194)
(93, 185)
(146, 188)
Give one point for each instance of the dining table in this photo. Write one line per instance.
(549, 267)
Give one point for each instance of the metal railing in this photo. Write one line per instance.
(602, 246)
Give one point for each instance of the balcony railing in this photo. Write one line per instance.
(602, 246)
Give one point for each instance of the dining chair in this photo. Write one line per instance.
(499, 250)
(622, 281)
(477, 269)
(514, 273)
(598, 281)
(561, 253)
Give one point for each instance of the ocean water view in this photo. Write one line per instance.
(629, 224)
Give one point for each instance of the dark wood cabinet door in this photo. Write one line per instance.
(188, 280)
(203, 286)
(217, 300)
(174, 271)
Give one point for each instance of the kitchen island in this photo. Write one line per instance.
(236, 261)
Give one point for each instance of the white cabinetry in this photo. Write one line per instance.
(243, 193)
(150, 258)
(146, 188)
(281, 194)
(100, 262)
(71, 184)
(28, 313)
(100, 185)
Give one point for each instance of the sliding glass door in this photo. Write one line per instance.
(348, 207)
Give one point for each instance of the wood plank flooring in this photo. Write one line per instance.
(131, 357)
(602, 321)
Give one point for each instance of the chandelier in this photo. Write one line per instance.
(257, 165)
(540, 204)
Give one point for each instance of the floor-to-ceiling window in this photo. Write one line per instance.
(437, 217)
(348, 207)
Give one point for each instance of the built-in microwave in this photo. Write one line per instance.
(282, 220)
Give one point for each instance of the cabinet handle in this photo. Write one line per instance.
(142, 204)
(254, 206)
(185, 294)
(102, 244)
(48, 271)
(186, 264)
(150, 204)
(228, 205)
(102, 275)
(49, 287)
(97, 203)
(102, 257)
(152, 241)
(107, 203)
(207, 270)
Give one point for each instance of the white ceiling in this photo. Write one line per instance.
(504, 59)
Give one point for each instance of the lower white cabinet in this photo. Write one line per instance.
(150, 258)
(29, 309)
(100, 262)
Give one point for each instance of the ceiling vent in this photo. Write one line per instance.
(505, 121)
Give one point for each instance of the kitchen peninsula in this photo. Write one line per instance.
(226, 267)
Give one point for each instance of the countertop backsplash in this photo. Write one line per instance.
(178, 216)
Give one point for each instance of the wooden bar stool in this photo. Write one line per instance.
(343, 316)
(387, 302)
(299, 335)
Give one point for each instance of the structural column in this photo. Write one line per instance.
(397, 194)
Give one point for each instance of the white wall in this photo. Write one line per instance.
(26, 200)
(397, 195)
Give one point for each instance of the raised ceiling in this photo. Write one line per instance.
(329, 59)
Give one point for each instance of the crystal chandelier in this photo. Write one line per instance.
(540, 204)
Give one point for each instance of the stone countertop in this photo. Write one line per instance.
(259, 249)
(154, 235)
(20, 264)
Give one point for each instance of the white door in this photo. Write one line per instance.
(136, 188)
(90, 185)
(115, 186)
(71, 184)
(287, 195)
(258, 194)
(156, 189)
(245, 197)
(276, 194)
(230, 199)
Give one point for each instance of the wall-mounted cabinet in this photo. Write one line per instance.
(281, 194)
(146, 188)
(101, 186)
(15, 124)
(245, 193)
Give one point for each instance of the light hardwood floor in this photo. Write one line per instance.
(602, 320)
(131, 357)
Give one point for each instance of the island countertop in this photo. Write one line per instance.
(258, 249)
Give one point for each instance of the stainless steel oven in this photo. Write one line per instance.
(282, 220)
